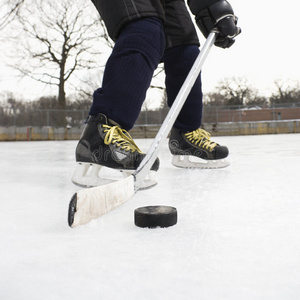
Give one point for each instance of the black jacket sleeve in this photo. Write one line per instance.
(197, 5)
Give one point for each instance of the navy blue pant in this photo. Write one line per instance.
(139, 48)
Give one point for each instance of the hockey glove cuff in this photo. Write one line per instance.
(220, 15)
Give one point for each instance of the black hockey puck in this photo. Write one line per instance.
(155, 216)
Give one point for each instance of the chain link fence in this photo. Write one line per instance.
(42, 117)
(211, 114)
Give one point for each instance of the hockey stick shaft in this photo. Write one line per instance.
(88, 204)
(177, 105)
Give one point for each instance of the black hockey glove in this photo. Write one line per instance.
(220, 15)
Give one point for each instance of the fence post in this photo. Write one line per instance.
(48, 118)
(29, 133)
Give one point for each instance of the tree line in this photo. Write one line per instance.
(229, 92)
(237, 91)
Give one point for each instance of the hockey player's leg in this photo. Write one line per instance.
(129, 71)
(116, 105)
(190, 145)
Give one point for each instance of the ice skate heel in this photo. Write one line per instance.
(195, 150)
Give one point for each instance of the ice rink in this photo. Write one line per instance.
(237, 236)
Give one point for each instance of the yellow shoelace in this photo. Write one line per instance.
(201, 137)
(114, 134)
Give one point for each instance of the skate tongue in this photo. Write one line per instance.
(112, 122)
(104, 120)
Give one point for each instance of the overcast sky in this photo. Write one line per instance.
(267, 49)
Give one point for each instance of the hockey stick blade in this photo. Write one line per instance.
(89, 204)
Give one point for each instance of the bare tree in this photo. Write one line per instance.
(236, 91)
(213, 98)
(286, 92)
(60, 38)
(57, 41)
(9, 10)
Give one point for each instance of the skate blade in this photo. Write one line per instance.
(192, 162)
(88, 175)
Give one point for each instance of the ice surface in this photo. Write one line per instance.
(237, 235)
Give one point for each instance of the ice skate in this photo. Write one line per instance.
(106, 153)
(195, 150)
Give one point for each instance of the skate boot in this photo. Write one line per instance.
(195, 150)
(106, 153)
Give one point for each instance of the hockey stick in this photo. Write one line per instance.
(89, 204)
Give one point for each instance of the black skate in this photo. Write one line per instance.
(195, 150)
(104, 148)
